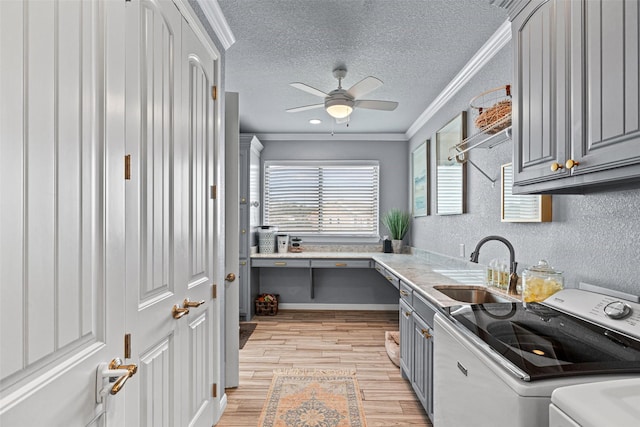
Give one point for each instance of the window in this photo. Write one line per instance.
(322, 198)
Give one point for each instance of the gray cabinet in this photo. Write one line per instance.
(406, 332)
(422, 369)
(416, 347)
(576, 97)
(249, 197)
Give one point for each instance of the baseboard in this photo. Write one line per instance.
(221, 408)
(321, 306)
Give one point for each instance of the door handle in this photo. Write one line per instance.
(230, 277)
(120, 382)
(178, 312)
(114, 372)
(186, 303)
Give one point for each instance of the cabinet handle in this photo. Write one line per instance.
(425, 333)
(341, 264)
(279, 263)
(389, 278)
(570, 164)
(243, 231)
(555, 166)
(403, 292)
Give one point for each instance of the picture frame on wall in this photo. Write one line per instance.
(420, 180)
(451, 169)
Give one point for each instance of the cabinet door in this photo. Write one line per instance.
(605, 88)
(421, 372)
(243, 247)
(406, 339)
(540, 111)
(243, 287)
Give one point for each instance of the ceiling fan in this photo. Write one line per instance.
(340, 103)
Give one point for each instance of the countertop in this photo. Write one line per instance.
(422, 272)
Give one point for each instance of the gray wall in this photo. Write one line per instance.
(393, 157)
(593, 238)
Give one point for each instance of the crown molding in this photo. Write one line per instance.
(497, 41)
(399, 137)
(218, 22)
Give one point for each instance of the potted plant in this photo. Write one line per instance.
(397, 221)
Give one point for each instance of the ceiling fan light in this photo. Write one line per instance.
(339, 111)
(339, 108)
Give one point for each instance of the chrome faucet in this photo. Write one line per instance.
(513, 265)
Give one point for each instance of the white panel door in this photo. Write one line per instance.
(61, 209)
(153, 217)
(197, 154)
(170, 133)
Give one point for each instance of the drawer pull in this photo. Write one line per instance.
(426, 333)
(462, 369)
(341, 264)
(389, 278)
(280, 263)
(407, 313)
(403, 292)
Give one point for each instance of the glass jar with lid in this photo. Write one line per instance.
(540, 281)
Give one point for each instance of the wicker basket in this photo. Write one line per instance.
(494, 109)
(267, 308)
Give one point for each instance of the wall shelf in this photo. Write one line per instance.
(484, 140)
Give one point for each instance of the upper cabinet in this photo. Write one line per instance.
(576, 99)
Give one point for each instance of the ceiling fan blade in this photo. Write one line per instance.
(364, 86)
(377, 105)
(304, 108)
(308, 89)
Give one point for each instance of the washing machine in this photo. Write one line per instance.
(607, 403)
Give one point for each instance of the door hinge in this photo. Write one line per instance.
(127, 166)
(127, 346)
(214, 191)
(214, 390)
(214, 92)
(214, 291)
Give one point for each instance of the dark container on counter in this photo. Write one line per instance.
(386, 246)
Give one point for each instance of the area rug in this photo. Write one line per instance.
(246, 329)
(313, 398)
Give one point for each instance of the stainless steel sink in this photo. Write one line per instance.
(471, 294)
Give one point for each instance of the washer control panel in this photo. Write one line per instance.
(610, 312)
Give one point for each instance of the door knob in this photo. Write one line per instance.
(178, 312)
(186, 303)
(570, 164)
(230, 277)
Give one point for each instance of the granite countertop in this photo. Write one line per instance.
(422, 271)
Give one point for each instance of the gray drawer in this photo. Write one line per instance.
(341, 263)
(391, 278)
(280, 262)
(380, 269)
(424, 309)
(406, 293)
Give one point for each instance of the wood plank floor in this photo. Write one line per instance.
(331, 340)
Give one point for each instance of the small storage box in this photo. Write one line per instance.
(267, 305)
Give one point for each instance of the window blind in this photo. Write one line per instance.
(322, 198)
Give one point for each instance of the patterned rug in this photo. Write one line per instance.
(313, 398)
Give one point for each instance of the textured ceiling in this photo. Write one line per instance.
(414, 46)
